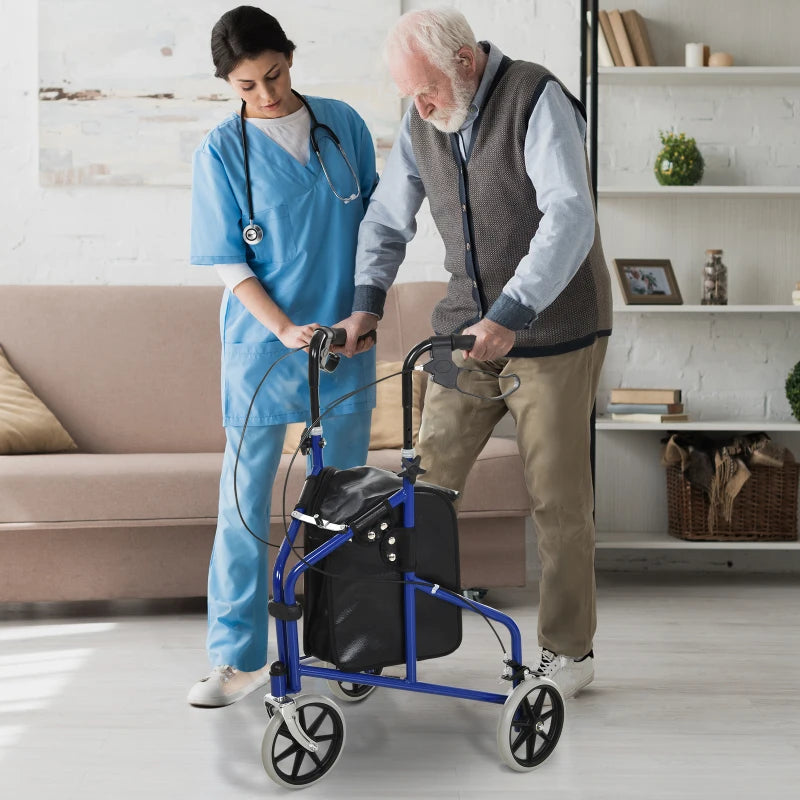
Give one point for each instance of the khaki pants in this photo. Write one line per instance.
(552, 409)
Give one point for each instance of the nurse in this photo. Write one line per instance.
(279, 221)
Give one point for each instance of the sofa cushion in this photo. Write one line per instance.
(80, 487)
(72, 487)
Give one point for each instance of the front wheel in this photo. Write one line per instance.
(530, 724)
(286, 761)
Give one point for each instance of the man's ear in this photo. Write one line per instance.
(466, 59)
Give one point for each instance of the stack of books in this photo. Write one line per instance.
(622, 40)
(646, 405)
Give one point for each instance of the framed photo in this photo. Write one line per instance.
(647, 281)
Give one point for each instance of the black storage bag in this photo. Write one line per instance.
(357, 624)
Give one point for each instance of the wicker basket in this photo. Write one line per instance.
(765, 508)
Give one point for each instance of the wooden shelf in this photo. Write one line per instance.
(604, 423)
(646, 308)
(720, 192)
(612, 540)
(699, 76)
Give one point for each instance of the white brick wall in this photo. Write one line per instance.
(728, 366)
(140, 235)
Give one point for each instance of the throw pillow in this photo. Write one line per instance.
(26, 424)
(386, 430)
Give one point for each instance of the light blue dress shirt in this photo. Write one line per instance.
(555, 162)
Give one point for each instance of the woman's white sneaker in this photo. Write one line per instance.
(225, 685)
(569, 674)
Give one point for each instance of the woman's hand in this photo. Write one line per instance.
(293, 336)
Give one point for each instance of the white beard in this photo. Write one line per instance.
(451, 120)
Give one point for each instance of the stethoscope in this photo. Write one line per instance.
(253, 234)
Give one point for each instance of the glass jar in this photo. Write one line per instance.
(715, 280)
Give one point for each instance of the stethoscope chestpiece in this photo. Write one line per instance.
(252, 234)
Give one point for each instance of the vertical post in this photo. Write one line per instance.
(588, 63)
(593, 96)
(584, 32)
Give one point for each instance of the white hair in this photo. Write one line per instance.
(437, 33)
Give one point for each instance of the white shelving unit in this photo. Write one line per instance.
(646, 308)
(699, 76)
(631, 512)
(689, 192)
(733, 425)
(609, 540)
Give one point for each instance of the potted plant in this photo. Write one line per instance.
(793, 390)
(679, 163)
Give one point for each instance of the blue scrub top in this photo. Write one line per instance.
(306, 260)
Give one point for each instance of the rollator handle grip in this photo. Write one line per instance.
(339, 338)
(463, 342)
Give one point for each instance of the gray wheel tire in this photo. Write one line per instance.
(288, 763)
(345, 692)
(530, 724)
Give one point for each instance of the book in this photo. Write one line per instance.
(644, 408)
(650, 417)
(637, 35)
(604, 57)
(605, 26)
(621, 37)
(631, 395)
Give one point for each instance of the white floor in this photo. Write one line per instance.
(696, 696)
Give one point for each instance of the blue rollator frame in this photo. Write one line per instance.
(535, 717)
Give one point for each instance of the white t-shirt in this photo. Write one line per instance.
(292, 133)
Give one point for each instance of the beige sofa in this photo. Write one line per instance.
(132, 372)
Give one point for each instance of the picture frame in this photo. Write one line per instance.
(647, 281)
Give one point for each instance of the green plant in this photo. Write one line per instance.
(793, 390)
(679, 163)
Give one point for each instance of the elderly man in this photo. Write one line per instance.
(497, 147)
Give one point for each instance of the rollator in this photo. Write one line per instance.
(381, 580)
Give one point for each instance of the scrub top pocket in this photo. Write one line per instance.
(282, 396)
(279, 244)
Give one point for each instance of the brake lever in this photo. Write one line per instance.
(445, 372)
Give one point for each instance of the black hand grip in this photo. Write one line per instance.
(339, 337)
(371, 517)
(369, 335)
(463, 342)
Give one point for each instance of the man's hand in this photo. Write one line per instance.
(357, 324)
(491, 340)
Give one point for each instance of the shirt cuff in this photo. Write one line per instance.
(510, 314)
(370, 299)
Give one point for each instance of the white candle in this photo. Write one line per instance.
(694, 54)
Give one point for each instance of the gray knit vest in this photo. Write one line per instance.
(487, 216)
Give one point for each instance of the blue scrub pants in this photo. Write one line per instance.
(239, 579)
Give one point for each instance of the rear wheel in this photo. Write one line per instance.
(352, 692)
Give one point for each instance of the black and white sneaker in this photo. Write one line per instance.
(569, 674)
